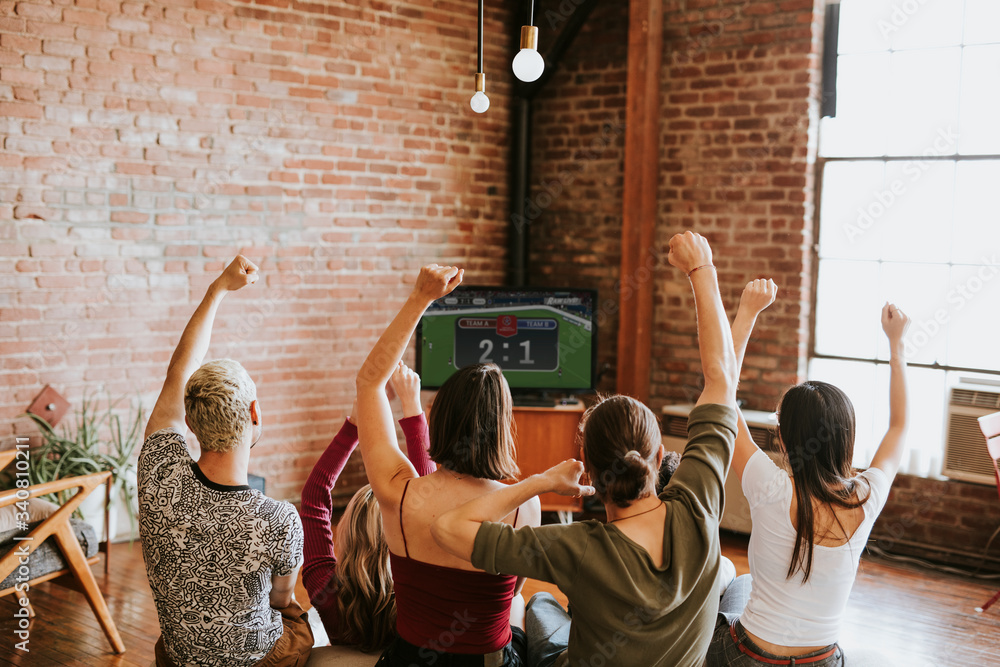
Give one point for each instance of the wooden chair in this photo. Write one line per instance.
(58, 527)
(990, 426)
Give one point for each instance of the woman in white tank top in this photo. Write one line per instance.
(810, 525)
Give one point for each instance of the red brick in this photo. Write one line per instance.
(21, 110)
(92, 18)
(133, 217)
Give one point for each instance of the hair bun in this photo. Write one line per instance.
(635, 458)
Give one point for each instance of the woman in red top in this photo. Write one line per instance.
(449, 614)
(348, 578)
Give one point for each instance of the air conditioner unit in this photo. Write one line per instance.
(965, 455)
(736, 516)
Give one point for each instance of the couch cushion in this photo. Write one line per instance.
(38, 510)
(46, 558)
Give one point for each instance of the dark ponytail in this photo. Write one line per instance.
(621, 438)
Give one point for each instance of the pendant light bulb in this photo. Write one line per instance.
(479, 102)
(528, 64)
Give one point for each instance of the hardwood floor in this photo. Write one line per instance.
(920, 617)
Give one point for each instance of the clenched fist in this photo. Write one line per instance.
(894, 322)
(688, 251)
(758, 295)
(240, 273)
(436, 281)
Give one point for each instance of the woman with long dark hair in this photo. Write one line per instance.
(643, 585)
(448, 613)
(811, 523)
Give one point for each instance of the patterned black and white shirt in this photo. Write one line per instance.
(210, 553)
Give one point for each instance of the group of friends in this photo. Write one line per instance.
(426, 565)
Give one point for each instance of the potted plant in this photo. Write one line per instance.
(100, 440)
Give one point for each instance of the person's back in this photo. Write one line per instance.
(447, 612)
(221, 558)
(642, 588)
(811, 524)
(210, 552)
(793, 609)
(433, 588)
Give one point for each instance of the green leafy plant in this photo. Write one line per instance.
(99, 441)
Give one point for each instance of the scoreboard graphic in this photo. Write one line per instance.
(512, 343)
(539, 341)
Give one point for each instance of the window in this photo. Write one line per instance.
(909, 209)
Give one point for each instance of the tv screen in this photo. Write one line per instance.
(542, 338)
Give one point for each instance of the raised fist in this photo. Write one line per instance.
(240, 273)
(688, 251)
(758, 295)
(406, 383)
(894, 322)
(436, 281)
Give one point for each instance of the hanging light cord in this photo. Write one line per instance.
(531, 12)
(480, 61)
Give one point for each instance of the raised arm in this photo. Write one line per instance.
(386, 466)
(691, 253)
(406, 383)
(890, 452)
(319, 558)
(456, 529)
(193, 346)
(757, 295)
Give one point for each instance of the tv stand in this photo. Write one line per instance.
(546, 436)
(542, 400)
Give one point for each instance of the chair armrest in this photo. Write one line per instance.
(59, 521)
(6, 456)
(86, 484)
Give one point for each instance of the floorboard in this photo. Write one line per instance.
(921, 617)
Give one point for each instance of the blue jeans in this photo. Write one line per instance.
(724, 652)
(546, 624)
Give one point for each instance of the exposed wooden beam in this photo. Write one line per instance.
(639, 214)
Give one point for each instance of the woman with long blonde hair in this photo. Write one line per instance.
(346, 569)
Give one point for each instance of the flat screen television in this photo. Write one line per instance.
(543, 339)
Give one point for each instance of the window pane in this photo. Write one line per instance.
(977, 211)
(982, 21)
(923, 99)
(917, 220)
(921, 291)
(859, 128)
(857, 380)
(974, 293)
(860, 27)
(846, 297)
(851, 211)
(923, 24)
(927, 393)
(980, 132)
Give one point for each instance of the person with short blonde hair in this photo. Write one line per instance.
(217, 400)
(221, 558)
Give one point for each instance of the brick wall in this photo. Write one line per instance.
(941, 520)
(578, 151)
(739, 87)
(740, 90)
(145, 143)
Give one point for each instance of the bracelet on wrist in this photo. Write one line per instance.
(703, 266)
